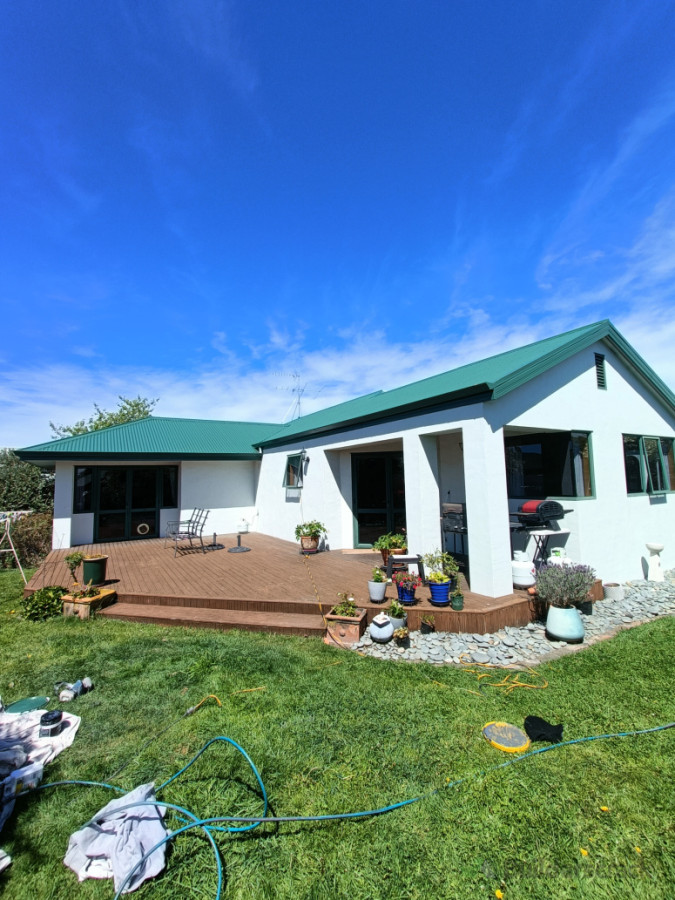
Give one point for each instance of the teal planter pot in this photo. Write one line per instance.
(93, 570)
(564, 624)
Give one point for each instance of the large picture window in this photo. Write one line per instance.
(548, 464)
(650, 464)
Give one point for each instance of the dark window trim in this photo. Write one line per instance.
(646, 484)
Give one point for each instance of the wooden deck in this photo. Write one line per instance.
(271, 588)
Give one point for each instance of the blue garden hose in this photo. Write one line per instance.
(247, 823)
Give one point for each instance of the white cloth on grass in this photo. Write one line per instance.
(112, 847)
(21, 744)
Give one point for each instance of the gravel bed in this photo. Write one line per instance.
(528, 645)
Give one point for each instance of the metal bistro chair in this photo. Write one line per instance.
(187, 529)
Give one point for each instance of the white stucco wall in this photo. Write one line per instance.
(609, 531)
(227, 488)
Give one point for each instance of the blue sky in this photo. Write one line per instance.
(229, 205)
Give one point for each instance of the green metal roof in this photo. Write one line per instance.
(486, 379)
(159, 438)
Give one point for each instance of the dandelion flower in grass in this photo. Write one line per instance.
(583, 852)
(499, 895)
(604, 808)
(637, 850)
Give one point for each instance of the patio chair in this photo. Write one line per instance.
(187, 529)
(401, 561)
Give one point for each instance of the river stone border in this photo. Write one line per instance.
(519, 647)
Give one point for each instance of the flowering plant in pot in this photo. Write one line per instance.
(441, 572)
(562, 587)
(345, 623)
(309, 534)
(402, 637)
(377, 586)
(406, 585)
(397, 614)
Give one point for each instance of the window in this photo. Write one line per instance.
(82, 492)
(650, 464)
(169, 487)
(548, 464)
(293, 472)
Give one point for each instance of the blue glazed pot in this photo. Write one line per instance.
(405, 596)
(440, 593)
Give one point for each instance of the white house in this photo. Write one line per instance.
(579, 418)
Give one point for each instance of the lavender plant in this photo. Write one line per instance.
(564, 585)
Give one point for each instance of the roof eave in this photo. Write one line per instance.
(51, 458)
(478, 393)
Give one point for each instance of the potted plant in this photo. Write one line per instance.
(390, 544)
(402, 637)
(93, 568)
(406, 585)
(309, 534)
(345, 623)
(457, 601)
(562, 587)
(397, 614)
(377, 586)
(381, 628)
(72, 561)
(83, 600)
(427, 625)
(441, 576)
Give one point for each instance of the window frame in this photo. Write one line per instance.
(646, 481)
(293, 474)
(583, 490)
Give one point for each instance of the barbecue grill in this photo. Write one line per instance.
(539, 513)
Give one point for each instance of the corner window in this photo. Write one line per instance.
(649, 464)
(548, 464)
(82, 489)
(293, 472)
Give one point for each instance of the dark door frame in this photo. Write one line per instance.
(390, 510)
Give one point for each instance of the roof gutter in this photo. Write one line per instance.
(478, 393)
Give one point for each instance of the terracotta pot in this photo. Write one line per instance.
(309, 544)
(345, 630)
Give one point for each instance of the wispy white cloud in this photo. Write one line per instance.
(600, 182)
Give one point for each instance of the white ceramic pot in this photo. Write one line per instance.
(382, 629)
(612, 591)
(564, 624)
(377, 590)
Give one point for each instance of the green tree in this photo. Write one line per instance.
(127, 411)
(23, 485)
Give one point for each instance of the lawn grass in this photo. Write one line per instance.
(336, 732)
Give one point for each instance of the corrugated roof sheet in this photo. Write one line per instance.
(486, 379)
(158, 437)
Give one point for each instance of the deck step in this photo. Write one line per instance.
(224, 619)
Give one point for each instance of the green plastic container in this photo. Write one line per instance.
(93, 570)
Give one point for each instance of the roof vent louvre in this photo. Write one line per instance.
(600, 374)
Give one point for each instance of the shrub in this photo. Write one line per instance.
(564, 585)
(44, 603)
(32, 538)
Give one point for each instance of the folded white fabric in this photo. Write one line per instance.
(113, 846)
